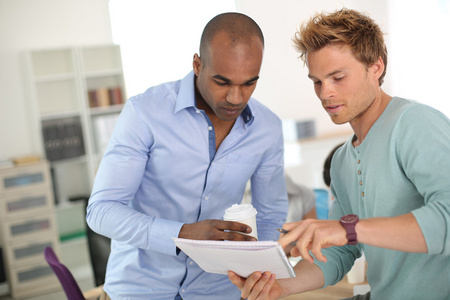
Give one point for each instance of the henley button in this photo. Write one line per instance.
(359, 172)
(209, 128)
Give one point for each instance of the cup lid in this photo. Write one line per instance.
(239, 212)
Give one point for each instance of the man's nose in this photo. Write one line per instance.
(326, 91)
(234, 95)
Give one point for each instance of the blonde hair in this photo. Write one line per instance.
(346, 26)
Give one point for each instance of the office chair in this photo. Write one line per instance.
(99, 248)
(68, 282)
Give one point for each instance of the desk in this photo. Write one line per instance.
(341, 290)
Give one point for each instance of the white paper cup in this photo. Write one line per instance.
(243, 213)
(358, 272)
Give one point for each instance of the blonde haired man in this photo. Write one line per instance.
(390, 180)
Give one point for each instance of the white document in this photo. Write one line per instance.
(243, 258)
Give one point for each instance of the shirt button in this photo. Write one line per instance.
(358, 161)
(359, 172)
(360, 182)
(183, 290)
(191, 263)
(206, 198)
(362, 194)
(209, 128)
(197, 111)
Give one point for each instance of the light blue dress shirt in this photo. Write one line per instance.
(161, 170)
(402, 166)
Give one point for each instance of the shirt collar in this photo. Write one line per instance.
(186, 98)
(247, 114)
(186, 93)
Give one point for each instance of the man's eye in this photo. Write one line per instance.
(221, 83)
(339, 78)
(251, 83)
(317, 82)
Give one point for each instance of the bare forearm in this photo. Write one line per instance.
(308, 277)
(401, 233)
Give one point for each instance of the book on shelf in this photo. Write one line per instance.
(24, 160)
(104, 96)
(92, 96)
(115, 95)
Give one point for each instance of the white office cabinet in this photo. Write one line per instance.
(74, 94)
(27, 226)
(31, 280)
(26, 200)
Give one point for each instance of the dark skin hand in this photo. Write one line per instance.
(215, 230)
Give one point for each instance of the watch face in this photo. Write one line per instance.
(349, 218)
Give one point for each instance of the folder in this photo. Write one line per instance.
(243, 258)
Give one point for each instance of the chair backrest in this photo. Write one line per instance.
(99, 248)
(68, 282)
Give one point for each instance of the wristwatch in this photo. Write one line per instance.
(349, 222)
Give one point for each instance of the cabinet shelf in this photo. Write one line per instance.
(59, 115)
(57, 77)
(70, 161)
(61, 83)
(103, 73)
(57, 96)
(105, 110)
(53, 62)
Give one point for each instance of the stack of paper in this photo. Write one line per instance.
(243, 258)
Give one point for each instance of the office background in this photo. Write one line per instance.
(416, 36)
(159, 38)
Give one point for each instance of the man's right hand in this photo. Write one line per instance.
(258, 286)
(216, 230)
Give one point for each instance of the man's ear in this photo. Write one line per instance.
(196, 64)
(378, 68)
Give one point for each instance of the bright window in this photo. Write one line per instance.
(419, 60)
(158, 39)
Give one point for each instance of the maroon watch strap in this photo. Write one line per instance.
(349, 223)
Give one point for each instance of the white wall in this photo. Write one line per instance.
(416, 36)
(420, 60)
(35, 24)
(284, 85)
(144, 64)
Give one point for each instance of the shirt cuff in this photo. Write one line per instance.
(433, 228)
(161, 236)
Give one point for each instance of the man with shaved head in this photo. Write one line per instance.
(181, 153)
